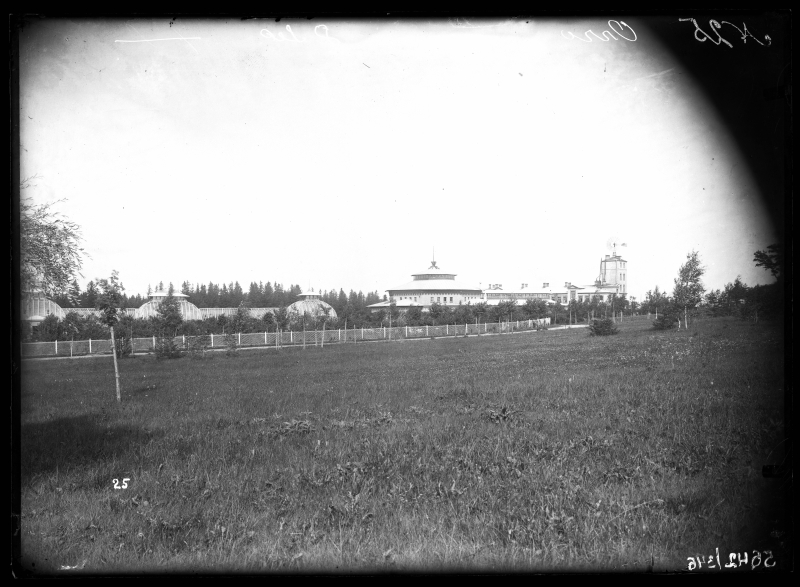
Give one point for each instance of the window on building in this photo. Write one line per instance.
(451, 298)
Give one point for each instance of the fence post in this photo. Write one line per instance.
(426, 330)
(291, 337)
(265, 338)
(447, 329)
(212, 340)
(406, 331)
(154, 344)
(184, 340)
(90, 346)
(340, 335)
(56, 347)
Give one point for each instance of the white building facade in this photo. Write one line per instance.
(437, 286)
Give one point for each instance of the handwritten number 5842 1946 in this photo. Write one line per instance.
(702, 36)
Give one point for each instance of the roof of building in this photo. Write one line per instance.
(312, 306)
(600, 289)
(437, 285)
(150, 309)
(433, 279)
(160, 293)
(398, 304)
(497, 301)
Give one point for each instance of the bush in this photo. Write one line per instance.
(124, 347)
(167, 348)
(666, 320)
(602, 327)
(231, 345)
(197, 346)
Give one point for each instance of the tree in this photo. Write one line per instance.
(282, 318)
(414, 316)
(506, 309)
(771, 260)
(463, 314)
(655, 301)
(109, 302)
(688, 290)
(50, 251)
(169, 313)
(74, 293)
(347, 313)
(269, 321)
(394, 313)
(48, 330)
(168, 320)
(480, 311)
(435, 312)
(534, 309)
(668, 318)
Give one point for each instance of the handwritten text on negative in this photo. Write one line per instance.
(606, 35)
(702, 36)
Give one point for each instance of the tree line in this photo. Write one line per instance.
(259, 295)
(689, 297)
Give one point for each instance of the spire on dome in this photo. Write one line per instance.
(433, 262)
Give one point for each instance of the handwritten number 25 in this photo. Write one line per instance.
(124, 483)
(716, 26)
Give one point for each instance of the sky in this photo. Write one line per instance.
(341, 154)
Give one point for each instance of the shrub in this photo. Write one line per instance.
(124, 347)
(231, 345)
(602, 327)
(197, 346)
(666, 320)
(167, 348)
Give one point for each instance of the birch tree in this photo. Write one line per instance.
(50, 248)
(688, 290)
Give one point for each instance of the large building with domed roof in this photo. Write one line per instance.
(429, 287)
(435, 285)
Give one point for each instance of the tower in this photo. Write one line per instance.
(614, 272)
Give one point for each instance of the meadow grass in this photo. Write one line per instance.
(534, 451)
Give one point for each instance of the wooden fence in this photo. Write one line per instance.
(72, 348)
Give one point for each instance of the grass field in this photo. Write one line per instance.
(532, 451)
